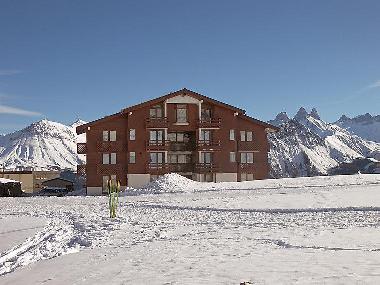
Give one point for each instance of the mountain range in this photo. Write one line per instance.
(306, 145)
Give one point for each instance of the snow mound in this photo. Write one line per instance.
(170, 183)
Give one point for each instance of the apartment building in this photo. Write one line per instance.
(182, 132)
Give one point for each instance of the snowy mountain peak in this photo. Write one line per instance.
(77, 123)
(314, 114)
(280, 119)
(343, 118)
(301, 114)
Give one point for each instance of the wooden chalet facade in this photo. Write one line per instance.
(182, 132)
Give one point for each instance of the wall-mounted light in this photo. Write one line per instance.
(236, 113)
(130, 113)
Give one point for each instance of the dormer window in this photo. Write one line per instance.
(156, 111)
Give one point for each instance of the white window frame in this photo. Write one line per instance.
(106, 158)
(132, 134)
(105, 136)
(249, 136)
(132, 157)
(112, 136)
(232, 135)
(113, 158)
(242, 136)
(232, 156)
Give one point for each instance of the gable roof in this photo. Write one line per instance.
(82, 128)
(57, 178)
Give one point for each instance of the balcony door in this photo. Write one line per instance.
(156, 137)
(206, 158)
(205, 136)
(156, 159)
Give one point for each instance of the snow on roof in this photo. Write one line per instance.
(5, 181)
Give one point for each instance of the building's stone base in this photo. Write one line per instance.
(138, 180)
(226, 177)
(94, 191)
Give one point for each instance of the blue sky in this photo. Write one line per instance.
(66, 59)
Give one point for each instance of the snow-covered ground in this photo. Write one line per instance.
(320, 230)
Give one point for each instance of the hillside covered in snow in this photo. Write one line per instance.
(308, 146)
(42, 145)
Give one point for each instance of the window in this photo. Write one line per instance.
(206, 113)
(105, 180)
(178, 137)
(156, 135)
(246, 157)
(156, 112)
(206, 158)
(249, 136)
(132, 157)
(156, 158)
(112, 136)
(113, 158)
(207, 177)
(205, 135)
(232, 135)
(105, 136)
(242, 136)
(246, 136)
(105, 183)
(232, 156)
(106, 158)
(181, 113)
(246, 177)
(132, 134)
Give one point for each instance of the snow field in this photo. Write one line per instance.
(288, 231)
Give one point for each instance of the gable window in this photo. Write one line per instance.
(246, 157)
(156, 111)
(246, 136)
(132, 134)
(109, 136)
(132, 157)
(181, 113)
(232, 135)
(105, 136)
(112, 136)
(206, 113)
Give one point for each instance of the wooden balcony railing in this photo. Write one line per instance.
(109, 169)
(209, 123)
(206, 167)
(107, 146)
(156, 122)
(157, 168)
(81, 169)
(181, 167)
(157, 145)
(247, 167)
(208, 145)
(81, 148)
(181, 146)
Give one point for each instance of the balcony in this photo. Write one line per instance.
(181, 167)
(107, 146)
(81, 169)
(81, 148)
(109, 169)
(206, 167)
(247, 167)
(208, 145)
(209, 123)
(156, 122)
(157, 145)
(181, 146)
(157, 168)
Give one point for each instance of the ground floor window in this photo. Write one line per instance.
(207, 177)
(106, 178)
(247, 177)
